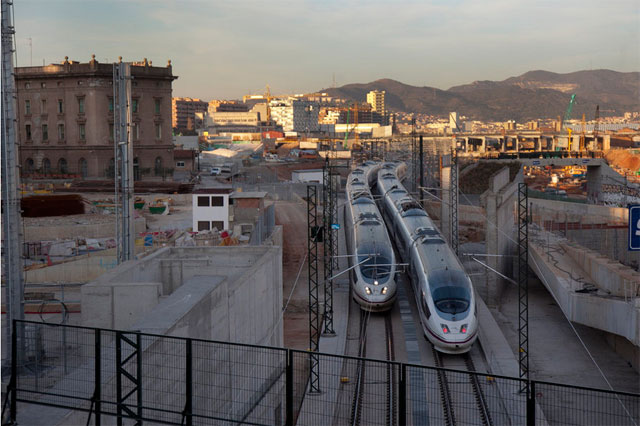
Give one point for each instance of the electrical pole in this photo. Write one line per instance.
(329, 219)
(455, 242)
(11, 217)
(523, 285)
(124, 147)
(313, 234)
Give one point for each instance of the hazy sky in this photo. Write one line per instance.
(225, 49)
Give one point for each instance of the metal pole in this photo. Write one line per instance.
(328, 248)
(12, 238)
(523, 285)
(453, 194)
(421, 159)
(125, 143)
(313, 233)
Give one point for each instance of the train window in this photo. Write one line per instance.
(451, 300)
(425, 306)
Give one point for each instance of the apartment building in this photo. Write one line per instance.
(65, 118)
(295, 114)
(183, 112)
(375, 98)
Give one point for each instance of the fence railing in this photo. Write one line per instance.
(96, 373)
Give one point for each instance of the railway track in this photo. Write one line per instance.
(462, 396)
(375, 381)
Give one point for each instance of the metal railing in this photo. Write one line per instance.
(95, 373)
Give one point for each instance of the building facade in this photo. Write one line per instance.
(295, 115)
(65, 119)
(375, 98)
(183, 112)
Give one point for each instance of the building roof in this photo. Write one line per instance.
(183, 153)
(213, 191)
(307, 170)
(249, 194)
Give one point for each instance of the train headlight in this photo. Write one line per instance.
(375, 282)
(445, 329)
(384, 290)
(463, 329)
(367, 290)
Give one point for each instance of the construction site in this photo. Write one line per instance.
(227, 296)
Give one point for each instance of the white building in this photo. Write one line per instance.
(211, 209)
(309, 175)
(295, 114)
(375, 98)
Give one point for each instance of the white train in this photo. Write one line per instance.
(373, 279)
(443, 291)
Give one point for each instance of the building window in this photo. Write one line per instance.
(203, 201)
(43, 85)
(27, 85)
(111, 131)
(203, 225)
(217, 201)
(46, 166)
(179, 163)
(157, 106)
(27, 107)
(27, 131)
(82, 167)
(45, 132)
(218, 224)
(110, 104)
(60, 106)
(60, 132)
(43, 106)
(81, 105)
(62, 166)
(158, 166)
(28, 167)
(136, 131)
(158, 131)
(82, 132)
(134, 105)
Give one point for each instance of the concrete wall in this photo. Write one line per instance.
(83, 269)
(500, 203)
(590, 212)
(56, 232)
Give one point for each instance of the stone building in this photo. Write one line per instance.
(65, 119)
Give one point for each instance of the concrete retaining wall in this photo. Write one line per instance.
(612, 315)
(609, 275)
(83, 269)
(59, 232)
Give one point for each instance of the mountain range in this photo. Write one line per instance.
(533, 95)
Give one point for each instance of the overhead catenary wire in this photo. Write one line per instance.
(604, 377)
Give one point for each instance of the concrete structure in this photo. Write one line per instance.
(500, 203)
(220, 293)
(375, 98)
(65, 118)
(454, 124)
(183, 112)
(295, 114)
(249, 118)
(211, 209)
(186, 142)
(226, 106)
(309, 175)
(247, 206)
(184, 160)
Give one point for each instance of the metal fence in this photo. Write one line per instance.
(95, 373)
(264, 226)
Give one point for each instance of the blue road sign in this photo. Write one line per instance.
(335, 226)
(536, 162)
(634, 227)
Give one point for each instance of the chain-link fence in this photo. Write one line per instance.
(94, 373)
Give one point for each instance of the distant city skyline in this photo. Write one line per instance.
(224, 50)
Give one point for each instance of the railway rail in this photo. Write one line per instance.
(455, 393)
(375, 381)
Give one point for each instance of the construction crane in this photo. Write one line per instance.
(267, 96)
(567, 117)
(596, 124)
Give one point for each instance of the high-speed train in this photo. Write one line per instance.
(443, 291)
(371, 253)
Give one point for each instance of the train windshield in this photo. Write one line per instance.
(376, 262)
(450, 290)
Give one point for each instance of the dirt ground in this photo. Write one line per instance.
(624, 159)
(293, 218)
